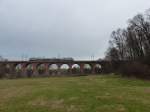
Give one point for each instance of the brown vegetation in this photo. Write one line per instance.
(133, 45)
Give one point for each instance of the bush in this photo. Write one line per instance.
(135, 69)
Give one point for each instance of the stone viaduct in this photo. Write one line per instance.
(52, 68)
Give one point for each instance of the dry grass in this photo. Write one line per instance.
(75, 94)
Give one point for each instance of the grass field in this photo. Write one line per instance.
(75, 94)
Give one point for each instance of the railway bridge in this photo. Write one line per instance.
(53, 68)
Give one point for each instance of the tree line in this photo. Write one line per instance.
(133, 42)
(129, 48)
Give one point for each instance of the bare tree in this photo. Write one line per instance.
(132, 43)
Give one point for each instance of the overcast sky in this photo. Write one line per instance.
(64, 28)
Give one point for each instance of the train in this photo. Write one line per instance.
(52, 59)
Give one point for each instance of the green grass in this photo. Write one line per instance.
(75, 94)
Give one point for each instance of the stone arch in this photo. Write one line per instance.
(18, 69)
(98, 68)
(76, 68)
(41, 68)
(8, 68)
(18, 66)
(29, 69)
(53, 69)
(29, 66)
(64, 69)
(87, 68)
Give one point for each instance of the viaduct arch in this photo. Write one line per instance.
(52, 68)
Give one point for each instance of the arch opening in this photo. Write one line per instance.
(53, 69)
(7, 68)
(18, 70)
(41, 69)
(76, 69)
(98, 68)
(87, 68)
(64, 69)
(29, 70)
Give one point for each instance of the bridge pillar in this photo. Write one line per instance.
(35, 71)
(23, 73)
(93, 68)
(82, 68)
(59, 69)
(70, 68)
(46, 69)
(11, 73)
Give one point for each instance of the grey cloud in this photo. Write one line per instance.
(77, 28)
